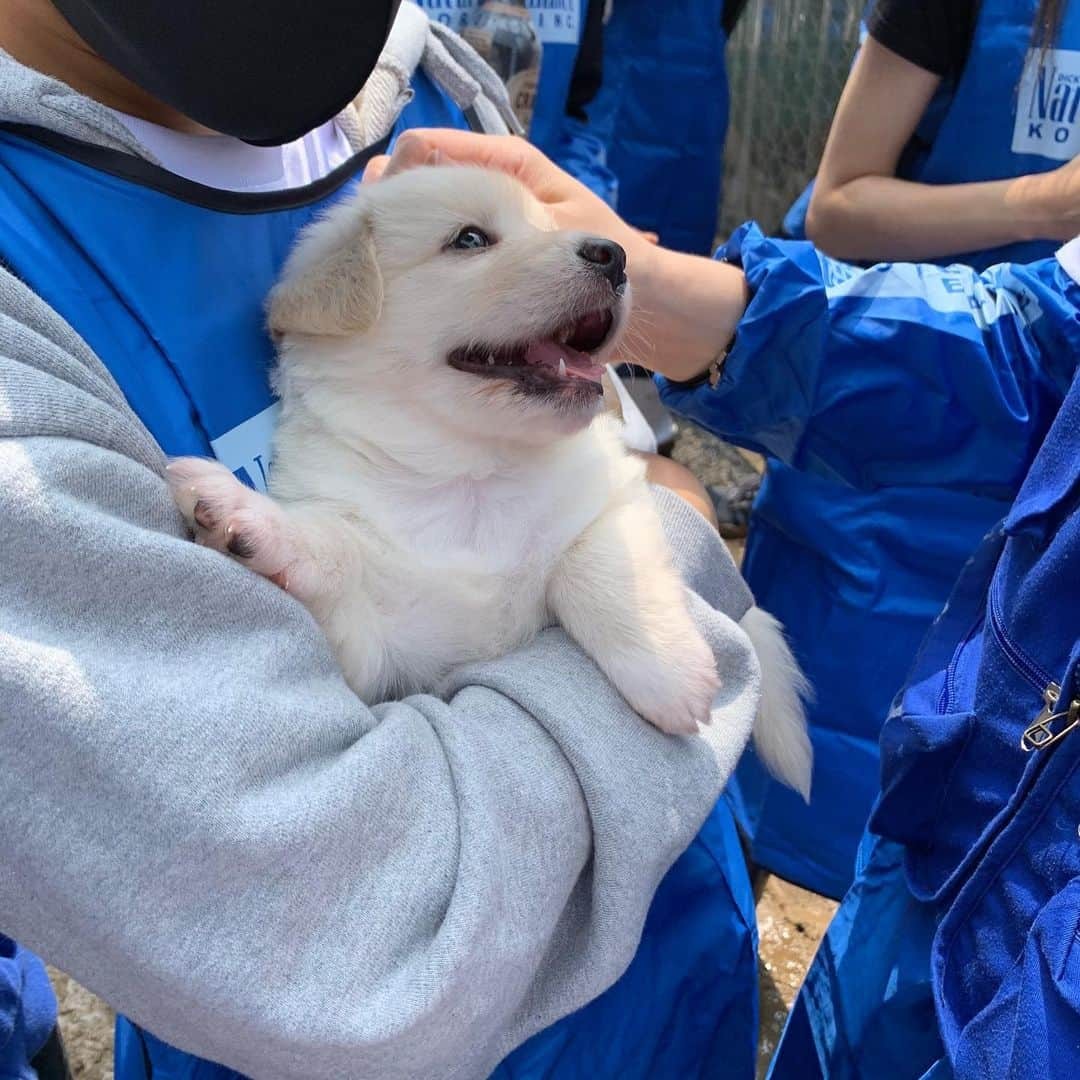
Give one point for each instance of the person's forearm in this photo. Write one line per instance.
(183, 764)
(686, 309)
(881, 218)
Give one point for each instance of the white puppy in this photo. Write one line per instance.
(444, 485)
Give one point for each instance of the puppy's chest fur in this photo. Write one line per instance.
(431, 574)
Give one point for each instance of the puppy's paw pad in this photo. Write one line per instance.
(240, 544)
(228, 516)
(257, 536)
(204, 491)
(203, 515)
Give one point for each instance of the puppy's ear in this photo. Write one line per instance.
(340, 293)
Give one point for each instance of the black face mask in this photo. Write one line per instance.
(265, 71)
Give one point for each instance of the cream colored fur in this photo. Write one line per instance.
(428, 516)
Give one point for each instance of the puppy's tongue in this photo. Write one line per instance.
(574, 364)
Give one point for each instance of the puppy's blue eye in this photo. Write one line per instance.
(471, 238)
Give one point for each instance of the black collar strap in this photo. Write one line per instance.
(146, 174)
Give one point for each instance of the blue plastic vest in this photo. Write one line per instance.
(663, 112)
(1003, 117)
(870, 554)
(950, 402)
(165, 279)
(558, 24)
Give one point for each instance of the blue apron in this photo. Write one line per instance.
(663, 112)
(1005, 116)
(957, 950)
(165, 279)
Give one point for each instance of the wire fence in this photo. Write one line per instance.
(787, 62)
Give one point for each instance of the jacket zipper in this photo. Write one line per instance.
(1053, 723)
(1023, 664)
(948, 687)
(1055, 719)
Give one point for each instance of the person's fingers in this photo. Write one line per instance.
(410, 152)
(652, 237)
(407, 156)
(375, 168)
(507, 153)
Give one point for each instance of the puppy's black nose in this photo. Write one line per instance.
(605, 256)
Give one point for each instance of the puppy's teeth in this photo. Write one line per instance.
(562, 368)
(491, 359)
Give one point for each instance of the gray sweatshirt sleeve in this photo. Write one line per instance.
(206, 827)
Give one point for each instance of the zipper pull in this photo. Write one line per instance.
(1042, 733)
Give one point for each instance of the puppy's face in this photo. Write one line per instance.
(453, 283)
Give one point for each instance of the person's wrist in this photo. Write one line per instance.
(692, 307)
(1046, 205)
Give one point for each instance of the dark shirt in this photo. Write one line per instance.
(933, 34)
(589, 66)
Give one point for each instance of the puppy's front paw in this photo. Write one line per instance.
(673, 691)
(231, 518)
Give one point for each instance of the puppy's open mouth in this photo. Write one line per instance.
(561, 358)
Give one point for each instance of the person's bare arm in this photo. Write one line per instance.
(861, 211)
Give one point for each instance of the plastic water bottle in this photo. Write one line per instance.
(502, 32)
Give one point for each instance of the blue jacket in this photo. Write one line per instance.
(662, 112)
(861, 527)
(957, 950)
(566, 140)
(878, 559)
(81, 225)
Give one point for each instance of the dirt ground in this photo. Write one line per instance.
(791, 921)
(86, 1024)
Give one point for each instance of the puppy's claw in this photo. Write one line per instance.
(201, 512)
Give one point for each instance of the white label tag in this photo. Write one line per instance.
(1048, 106)
(246, 448)
(557, 21)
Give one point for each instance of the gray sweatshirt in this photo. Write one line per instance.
(206, 827)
